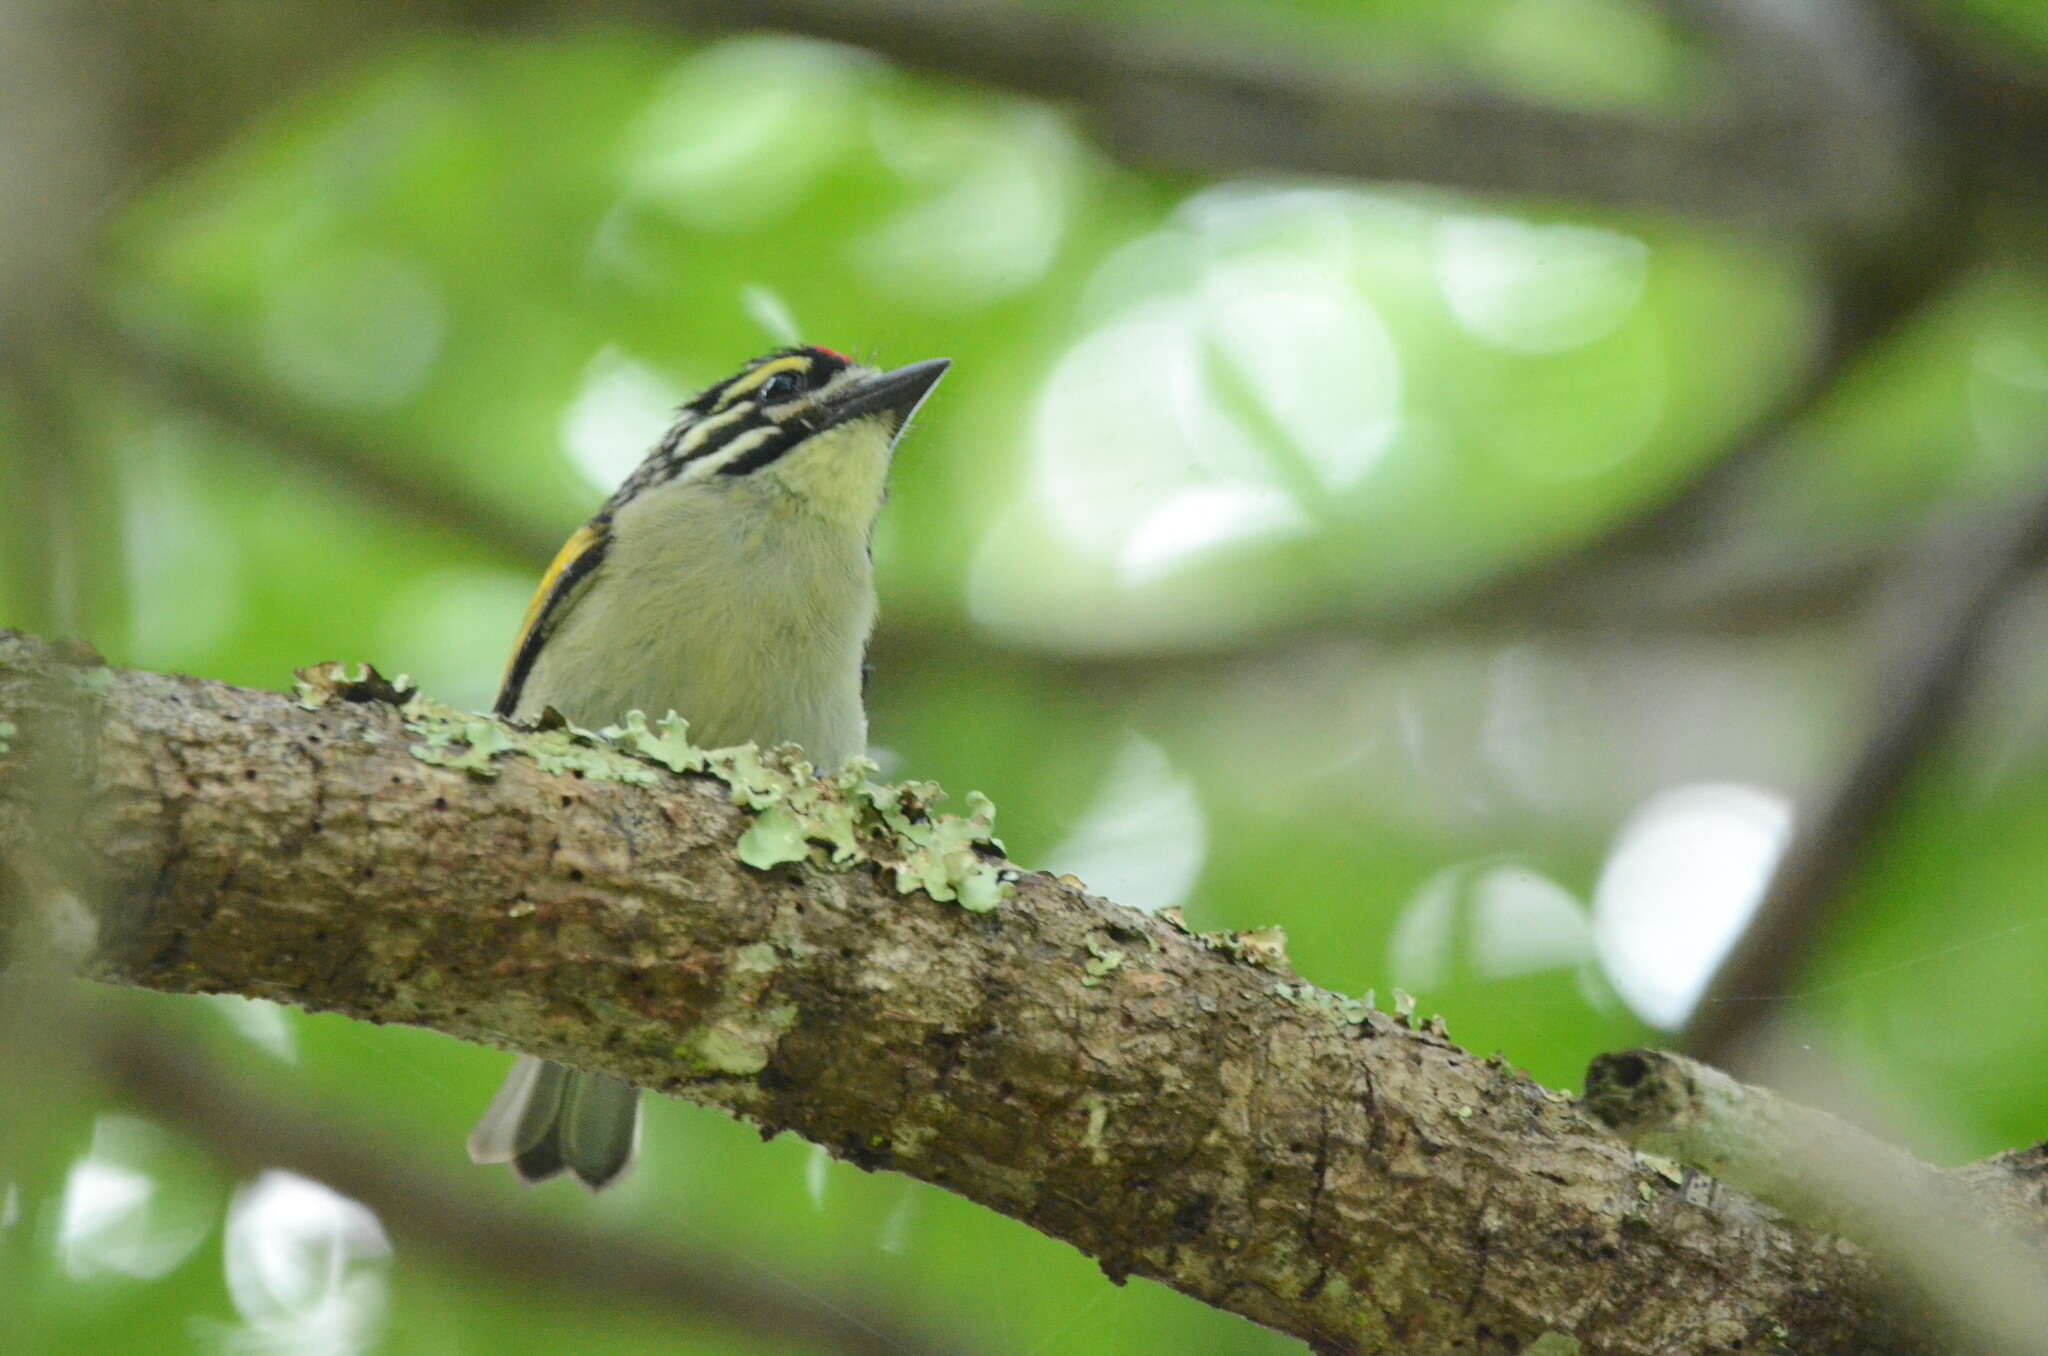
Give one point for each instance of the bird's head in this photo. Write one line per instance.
(805, 423)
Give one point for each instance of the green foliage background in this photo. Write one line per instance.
(478, 258)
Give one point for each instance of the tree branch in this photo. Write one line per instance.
(1967, 1242)
(1941, 617)
(1190, 1116)
(1834, 154)
(184, 382)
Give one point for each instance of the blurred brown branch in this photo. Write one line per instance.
(1935, 625)
(187, 383)
(1833, 148)
(1194, 1115)
(460, 1222)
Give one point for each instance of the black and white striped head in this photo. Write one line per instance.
(816, 422)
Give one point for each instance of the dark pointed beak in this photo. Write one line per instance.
(896, 393)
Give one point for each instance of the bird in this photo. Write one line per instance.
(729, 579)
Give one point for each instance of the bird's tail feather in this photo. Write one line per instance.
(547, 1118)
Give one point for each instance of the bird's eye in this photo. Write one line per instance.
(780, 387)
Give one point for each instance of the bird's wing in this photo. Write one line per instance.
(559, 589)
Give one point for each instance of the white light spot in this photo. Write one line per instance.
(104, 1224)
(2008, 399)
(739, 132)
(1197, 521)
(814, 1175)
(1256, 374)
(1238, 392)
(766, 308)
(1515, 733)
(1126, 422)
(2011, 357)
(1523, 921)
(1316, 359)
(1419, 951)
(616, 417)
(305, 1269)
(1686, 873)
(994, 229)
(1514, 921)
(116, 1218)
(10, 1206)
(354, 328)
(1321, 222)
(261, 1022)
(1538, 289)
(1143, 840)
(895, 1238)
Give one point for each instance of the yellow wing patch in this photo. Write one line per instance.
(796, 362)
(572, 550)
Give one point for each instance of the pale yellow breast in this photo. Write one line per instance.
(728, 603)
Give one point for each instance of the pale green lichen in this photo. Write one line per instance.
(471, 743)
(1404, 1013)
(1667, 1168)
(761, 958)
(667, 742)
(319, 684)
(1336, 1007)
(468, 745)
(7, 733)
(1102, 962)
(1264, 947)
(732, 1050)
(1553, 1344)
(1098, 1121)
(835, 822)
(848, 818)
(912, 1141)
(777, 837)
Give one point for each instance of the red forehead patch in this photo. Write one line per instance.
(832, 353)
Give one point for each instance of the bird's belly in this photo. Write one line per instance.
(744, 674)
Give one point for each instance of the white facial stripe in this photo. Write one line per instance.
(738, 447)
(704, 428)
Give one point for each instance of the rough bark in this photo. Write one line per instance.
(1179, 1107)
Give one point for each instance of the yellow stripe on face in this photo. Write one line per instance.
(752, 381)
(585, 538)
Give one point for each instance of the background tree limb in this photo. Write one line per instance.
(464, 1225)
(1940, 618)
